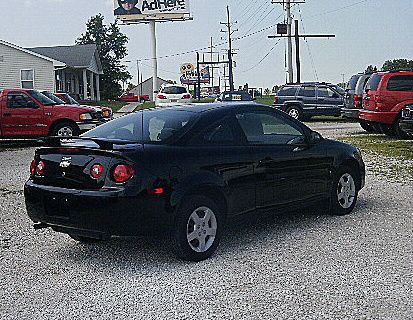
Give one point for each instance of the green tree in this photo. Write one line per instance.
(111, 45)
(397, 64)
(370, 69)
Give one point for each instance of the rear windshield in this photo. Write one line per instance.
(41, 98)
(287, 91)
(174, 90)
(400, 83)
(361, 83)
(373, 82)
(351, 85)
(148, 126)
(51, 96)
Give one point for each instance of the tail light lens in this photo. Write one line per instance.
(357, 101)
(40, 168)
(122, 173)
(33, 167)
(96, 171)
(187, 96)
(276, 99)
(161, 96)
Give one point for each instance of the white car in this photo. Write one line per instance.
(170, 95)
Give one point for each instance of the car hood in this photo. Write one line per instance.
(75, 107)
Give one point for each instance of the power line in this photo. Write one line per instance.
(268, 53)
(338, 9)
(308, 47)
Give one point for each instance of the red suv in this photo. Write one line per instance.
(386, 94)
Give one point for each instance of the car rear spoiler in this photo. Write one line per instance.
(104, 144)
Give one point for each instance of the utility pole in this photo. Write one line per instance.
(287, 5)
(229, 25)
(297, 37)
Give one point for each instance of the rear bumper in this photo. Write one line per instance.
(97, 214)
(379, 117)
(350, 113)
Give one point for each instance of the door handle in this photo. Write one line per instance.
(6, 114)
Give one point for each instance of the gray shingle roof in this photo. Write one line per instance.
(77, 56)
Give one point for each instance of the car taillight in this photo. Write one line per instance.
(187, 96)
(122, 173)
(106, 114)
(33, 167)
(40, 168)
(96, 171)
(161, 96)
(357, 101)
(276, 99)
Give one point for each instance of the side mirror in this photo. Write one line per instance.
(315, 137)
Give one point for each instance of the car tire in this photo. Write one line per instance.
(344, 191)
(399, 133)
(197, 229)
(65, 129)
(295, 112)
(83, 239)
(142, 100)
(367, 127)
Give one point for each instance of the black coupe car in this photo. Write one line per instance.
(189, 169)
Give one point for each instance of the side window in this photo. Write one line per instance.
(268, 128)
(307, 91)
(400, 83)
(287, 91)
(220, 133)
(19, 100)
(325, 92)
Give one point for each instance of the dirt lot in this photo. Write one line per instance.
(302, 265)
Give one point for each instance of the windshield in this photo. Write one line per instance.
(51, 96)
(41, 98)
(174, 90)
(147, 126)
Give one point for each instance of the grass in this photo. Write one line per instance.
(380, 144)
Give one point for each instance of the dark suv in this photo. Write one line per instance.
(304, 100)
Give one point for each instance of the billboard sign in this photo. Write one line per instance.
(190, 74)
(136, 10)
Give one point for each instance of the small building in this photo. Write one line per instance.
(146, 87)
(80, 75)
(22, 68)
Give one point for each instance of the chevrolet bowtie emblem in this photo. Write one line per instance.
(65, 162)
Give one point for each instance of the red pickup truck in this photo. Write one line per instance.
(131, 97)
(28, 113)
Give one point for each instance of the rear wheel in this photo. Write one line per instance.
(197, 229)
(344, 191)
(295, 112)
(399, 133)
(65, 129)
(82, 239)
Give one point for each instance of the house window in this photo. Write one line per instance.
(27, 78)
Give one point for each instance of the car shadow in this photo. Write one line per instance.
(140, 254)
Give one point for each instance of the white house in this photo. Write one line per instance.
(72, 69)
(22, 68)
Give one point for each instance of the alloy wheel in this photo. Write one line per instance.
(65, 132)
(294, 113)
(201, 229)
(346, 191)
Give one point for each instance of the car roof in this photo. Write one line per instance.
(205, 107)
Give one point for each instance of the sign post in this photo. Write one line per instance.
(150, 12)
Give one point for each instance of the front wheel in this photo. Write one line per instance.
(344, 192)
(65, 129)
(197, 229)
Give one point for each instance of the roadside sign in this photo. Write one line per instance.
(190, 74)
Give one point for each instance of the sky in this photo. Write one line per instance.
(367, 32)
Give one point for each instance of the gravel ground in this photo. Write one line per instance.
(305, 265)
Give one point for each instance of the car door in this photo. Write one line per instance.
(287, 168)
(220, 150)
(23, 116)
(307, 96)
(328, 99)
